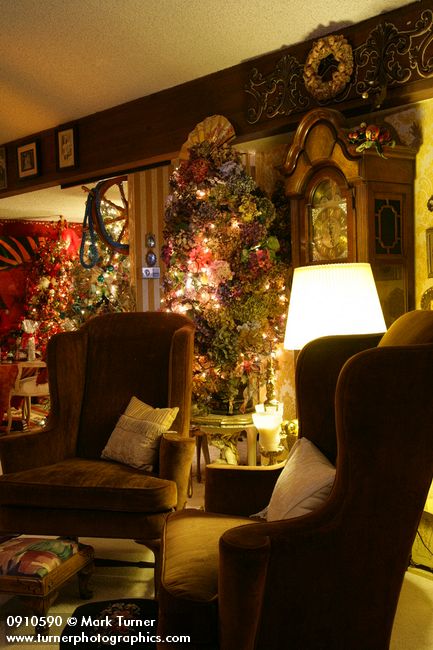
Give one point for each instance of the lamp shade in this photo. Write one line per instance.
(330, 299)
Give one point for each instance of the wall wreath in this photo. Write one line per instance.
(328, 53)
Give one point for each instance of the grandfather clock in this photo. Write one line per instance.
(352, 207)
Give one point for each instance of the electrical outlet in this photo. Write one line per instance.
(150, 272)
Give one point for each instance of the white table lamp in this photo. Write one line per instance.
(332, 299)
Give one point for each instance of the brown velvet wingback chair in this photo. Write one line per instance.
(330, 579)
(54, 481)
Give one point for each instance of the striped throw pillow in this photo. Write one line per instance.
(142, 411)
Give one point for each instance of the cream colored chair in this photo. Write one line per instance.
(26, 386)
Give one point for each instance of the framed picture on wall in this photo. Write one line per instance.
(66, 147)
(3, 176)
(28, 163)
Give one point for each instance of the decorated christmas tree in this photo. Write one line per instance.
(224, 270)
(61, 295)
(101, 289)
(49, 289)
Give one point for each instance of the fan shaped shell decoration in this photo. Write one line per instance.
(215, 129)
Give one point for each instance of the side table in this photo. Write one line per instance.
(223, 431)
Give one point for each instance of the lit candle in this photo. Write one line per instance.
(268, 424)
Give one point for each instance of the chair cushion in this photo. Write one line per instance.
(410, 329)
(137, 435)
(191, 552)
(142, 411)
(134, 442)
(303, 485)
(88, 485)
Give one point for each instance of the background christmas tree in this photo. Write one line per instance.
(225, 272)
(61, 295)
(48, 290)
(102, 289)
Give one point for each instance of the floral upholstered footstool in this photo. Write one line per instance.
(35, 568)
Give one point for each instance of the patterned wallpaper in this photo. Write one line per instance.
(414, 127)
(148, 192)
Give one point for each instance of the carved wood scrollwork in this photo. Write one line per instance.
(280, 93)
(388, 57)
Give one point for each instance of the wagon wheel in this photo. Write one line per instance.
(110, 214)
(106, 216)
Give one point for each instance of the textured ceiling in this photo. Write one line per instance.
(61, 60)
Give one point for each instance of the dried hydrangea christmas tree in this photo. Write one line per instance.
(224, 269)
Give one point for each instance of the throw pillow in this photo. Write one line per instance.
(142, 411)
(134, 442)
(303, 485)
(138, 409)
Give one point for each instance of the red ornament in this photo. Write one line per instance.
(372, 132)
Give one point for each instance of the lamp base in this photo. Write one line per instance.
(271, 455)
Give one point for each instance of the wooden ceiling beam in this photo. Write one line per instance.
(262, 97)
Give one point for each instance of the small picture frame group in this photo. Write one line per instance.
(28, 160)
(66, 147)
(3, 174)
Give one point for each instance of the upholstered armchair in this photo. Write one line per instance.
(54, 480)
(329, 578)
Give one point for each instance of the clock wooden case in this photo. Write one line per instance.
(348, 206)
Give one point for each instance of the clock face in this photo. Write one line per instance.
(327, 221)
(328, 233)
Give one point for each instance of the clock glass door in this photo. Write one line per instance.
(328, 221)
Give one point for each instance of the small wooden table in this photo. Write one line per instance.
(223, 431)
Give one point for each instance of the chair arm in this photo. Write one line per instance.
(175, 458)
(241, 586)
(239, 489)
(266, 570)
(31, 449)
